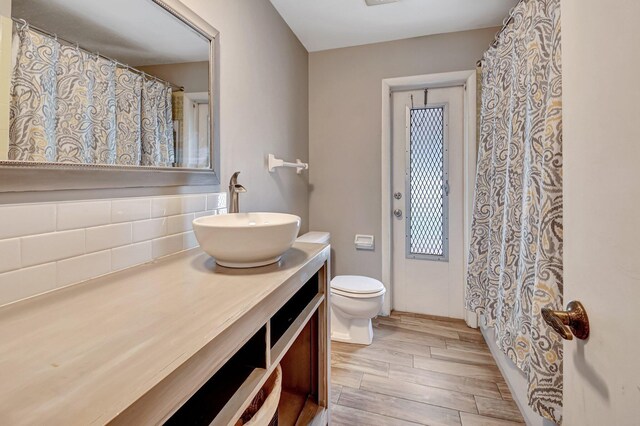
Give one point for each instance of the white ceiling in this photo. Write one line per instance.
(329, 24)
(134, 32)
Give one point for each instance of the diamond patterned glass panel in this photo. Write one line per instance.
(426, 182)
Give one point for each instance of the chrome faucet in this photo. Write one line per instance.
(234, 189)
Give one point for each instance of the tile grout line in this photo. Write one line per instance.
(383, 415)
(428, 403)
(475, 399)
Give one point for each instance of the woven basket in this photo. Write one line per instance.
(263, 410)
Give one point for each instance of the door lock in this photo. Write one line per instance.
(397, 195)
(397, 213)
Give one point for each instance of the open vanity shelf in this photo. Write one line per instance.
(177, 341)
(291, 338)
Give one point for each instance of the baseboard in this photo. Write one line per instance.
(516, 380)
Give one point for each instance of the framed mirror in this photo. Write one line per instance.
(106, 94)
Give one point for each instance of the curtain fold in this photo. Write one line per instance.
(100, 115)
(129, 99)
(72, 87)
(515, 259)
(157, 125)
(71, 106)
(32, 113)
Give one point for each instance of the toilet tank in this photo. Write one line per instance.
(314, 237)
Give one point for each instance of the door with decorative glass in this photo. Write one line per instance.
(427, 201)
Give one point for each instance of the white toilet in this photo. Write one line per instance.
(355, 300)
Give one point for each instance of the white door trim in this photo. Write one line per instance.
(457, 78)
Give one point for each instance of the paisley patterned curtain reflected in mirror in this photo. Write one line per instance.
(75, 107)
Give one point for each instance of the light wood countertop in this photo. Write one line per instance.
(84, 354)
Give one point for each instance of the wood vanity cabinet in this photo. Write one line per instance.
(296, 337)
(179, 341)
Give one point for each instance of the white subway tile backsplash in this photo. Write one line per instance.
(206, 213)
(181, 223)
(9, 255)
(162, 207)
(82, 268)
(45, 248)
(149, 229)
(130, 210)
(167, 245)
(170, 206)
(189, 240)
(49, 245)
(194, 203)
(27, 219)
(109, 236)
(26, 282)
(83, 215)
(216, 201)
(127, 256)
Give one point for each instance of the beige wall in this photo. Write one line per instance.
(264, 108)
(345, 88)
(193, 76)
(264, 102)
(5, 8)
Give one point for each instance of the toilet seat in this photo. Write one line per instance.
(358, 295)
(356, 286)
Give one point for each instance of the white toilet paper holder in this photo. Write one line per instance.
(364, 242)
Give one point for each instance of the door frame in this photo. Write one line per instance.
(427, 81)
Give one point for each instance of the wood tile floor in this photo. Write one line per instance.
(419, 371)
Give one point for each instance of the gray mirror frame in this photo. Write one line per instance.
(18, 176)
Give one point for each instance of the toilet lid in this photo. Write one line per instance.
(356, 284)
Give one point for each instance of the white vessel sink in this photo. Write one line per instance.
(246, 240)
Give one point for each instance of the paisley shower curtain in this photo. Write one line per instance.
(156, 124)
(128, 103)
(72, 106)
(515, 259)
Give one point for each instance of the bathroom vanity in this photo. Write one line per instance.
(178, 341)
